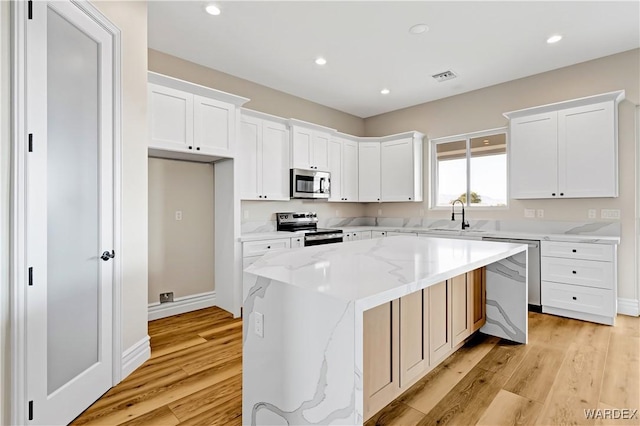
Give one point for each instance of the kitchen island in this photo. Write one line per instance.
(303, 340)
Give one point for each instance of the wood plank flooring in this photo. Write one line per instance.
(194, 377)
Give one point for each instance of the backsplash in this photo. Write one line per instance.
(600, 228)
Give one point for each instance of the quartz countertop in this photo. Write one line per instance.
(373, 271)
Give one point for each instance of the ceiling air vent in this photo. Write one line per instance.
(444, 76)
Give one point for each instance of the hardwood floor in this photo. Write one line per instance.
(194, 377)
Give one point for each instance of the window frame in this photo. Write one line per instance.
(433, 163)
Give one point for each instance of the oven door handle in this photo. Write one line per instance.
(322, 237)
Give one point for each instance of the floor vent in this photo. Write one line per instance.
(444, 76)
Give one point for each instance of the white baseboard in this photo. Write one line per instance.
(629, 307)
(135, 356)
(180, 305)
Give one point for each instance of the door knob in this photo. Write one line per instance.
(106, 255)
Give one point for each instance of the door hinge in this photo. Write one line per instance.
(30, 142)
(30, 410)
(31, 275)
(30, 9)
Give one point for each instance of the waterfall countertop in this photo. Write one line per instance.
(371, 272)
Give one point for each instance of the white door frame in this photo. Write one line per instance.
(18, 273)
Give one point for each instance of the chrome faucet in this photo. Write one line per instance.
(465, 224)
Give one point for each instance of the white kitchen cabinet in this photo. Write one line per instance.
(369, 171)
(190, 122)
(402, 234)
(343, 166)
(363, 235)
(263, 157)
(378, 234)
(401, 169)
(310, 145)
(297, 242)
(579, 280)
(565, 150)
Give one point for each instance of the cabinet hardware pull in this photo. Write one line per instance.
(574, 250)
(190, 147)
(378, 199)
(198, 148)
(574, 272)
(562, 193)
(574, 298)
(553, 193)
(259, 196)
(409, 198)
(268, 247)
(265, 196)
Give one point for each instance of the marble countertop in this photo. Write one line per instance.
(472, 233)
(370, 272)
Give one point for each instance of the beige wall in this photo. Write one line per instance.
(265, 210)
(482, 109)
(5, 202)
(180, 252)
(131, 18)
(263, 98)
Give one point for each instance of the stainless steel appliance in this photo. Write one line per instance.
(310, 184)
(534, 267)
(307, 222)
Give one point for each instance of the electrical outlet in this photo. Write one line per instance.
(591, 213)
(530, 213)
(166, 297)
(258, 324)
(178, 214)
(540, 213)
(379, 212)
(610, 214)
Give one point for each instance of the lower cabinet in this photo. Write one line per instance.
(408, 337)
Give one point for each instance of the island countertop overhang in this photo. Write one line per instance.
(372, 272)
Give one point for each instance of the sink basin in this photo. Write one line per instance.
(455, 230)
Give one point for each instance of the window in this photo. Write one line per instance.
(471, 168)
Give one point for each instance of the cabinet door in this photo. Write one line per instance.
(213, 126)
(439, 322)
(378, 234)
(588, 158)
(381, 356)
(301, 147)
(349, 190)
(364, 235)
(460, 300)
(247, 158)
(320, 151)
(297, 242)
(396, 168)
(369, 171)
(171, 117)
(534, 156)
(335, 168)
(414, 337)
(477, 308)
(275, 161)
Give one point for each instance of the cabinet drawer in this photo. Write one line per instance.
(580, 272)
(586, 251)
(589, 300)
(256, 248)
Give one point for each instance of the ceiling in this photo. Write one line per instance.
(368, 46)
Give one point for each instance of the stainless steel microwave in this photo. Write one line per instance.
(310, 184)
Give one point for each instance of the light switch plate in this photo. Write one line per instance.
(178, 214)
(610, 214)
(258, 324)
(530, 213)
(540, 213)
(591, 213)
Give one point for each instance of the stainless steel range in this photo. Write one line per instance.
(307, 222)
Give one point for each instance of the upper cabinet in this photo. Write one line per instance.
(343, 166)
(263, 157)
(566, 150)
(310, 145)
(391, 169)
(190, 122)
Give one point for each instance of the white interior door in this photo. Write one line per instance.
(69, 212)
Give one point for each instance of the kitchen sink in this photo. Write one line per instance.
(455, 230)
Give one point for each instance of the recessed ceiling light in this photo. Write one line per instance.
(321, 61)
(554, 39)
(418, 29)
(385, 91)
(212, 9)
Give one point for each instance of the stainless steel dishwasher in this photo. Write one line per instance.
(534, 266)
